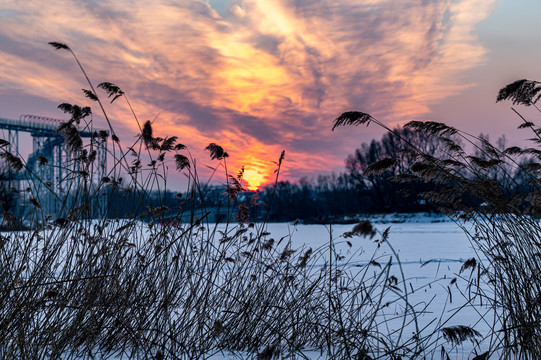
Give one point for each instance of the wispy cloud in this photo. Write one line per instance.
(257, 76)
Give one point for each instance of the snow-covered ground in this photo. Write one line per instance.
(431, 251)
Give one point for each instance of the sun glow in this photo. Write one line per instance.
(256, 76)
(254, 179)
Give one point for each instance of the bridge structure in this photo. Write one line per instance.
(53, 180)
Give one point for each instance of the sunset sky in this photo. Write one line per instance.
(261, 76)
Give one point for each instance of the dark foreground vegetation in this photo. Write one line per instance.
(166, 281)
(498, 191)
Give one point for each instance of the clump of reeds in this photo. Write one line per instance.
(167, 282)
(497, 190)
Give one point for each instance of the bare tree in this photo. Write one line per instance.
(383, 193)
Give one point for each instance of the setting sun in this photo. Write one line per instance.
(253, 179)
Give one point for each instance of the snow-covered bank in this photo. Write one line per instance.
(394, 218)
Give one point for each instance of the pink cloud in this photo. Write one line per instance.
(262, 77)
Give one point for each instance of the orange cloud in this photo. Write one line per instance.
(256, 76)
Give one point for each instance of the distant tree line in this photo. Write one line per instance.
(376, 180)
(368, 185)
(330, 197)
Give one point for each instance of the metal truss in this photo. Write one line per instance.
(52, 173)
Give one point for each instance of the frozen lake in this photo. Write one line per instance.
(431, 252)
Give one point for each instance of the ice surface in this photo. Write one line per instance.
(431, 251)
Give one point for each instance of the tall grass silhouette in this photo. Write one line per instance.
(83, 284)
(497, 191)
